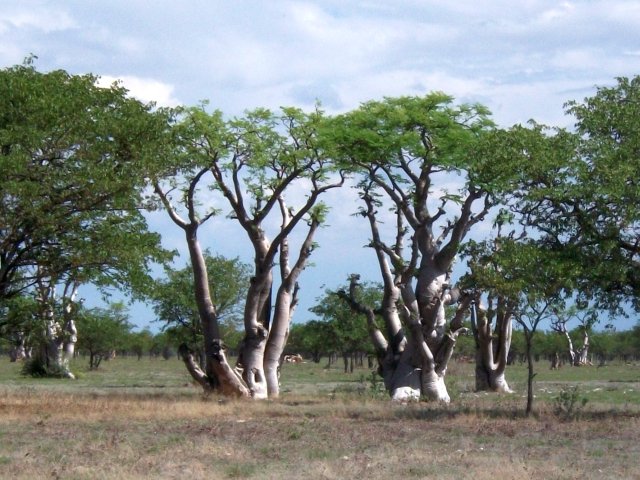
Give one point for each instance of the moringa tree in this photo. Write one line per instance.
(595, 194)
(586, 318)
(252, 162)
(437, 168)
(531, 283)
(491, 323)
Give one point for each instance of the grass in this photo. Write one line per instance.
(146, 419)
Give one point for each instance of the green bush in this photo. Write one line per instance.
(569, 404)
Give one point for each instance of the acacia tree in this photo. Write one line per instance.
(310, 338)
(345, 332)
(72, 156)
(253, 161)
(103, 331)
(438, 168)
(596, 195)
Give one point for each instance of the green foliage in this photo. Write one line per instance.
(140, 343)
(73, 158)
(37, 367)
(175, 305)
(19, 319)
(345, 331)
(569, 403)
(429, 126)
(102, 331)
(594, 191)
(310, 339)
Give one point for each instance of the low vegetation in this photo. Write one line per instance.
(146, 419)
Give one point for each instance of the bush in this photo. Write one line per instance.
(568, 405)
(37, 368)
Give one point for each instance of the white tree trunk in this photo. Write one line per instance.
(70, 332)
(19, 351)
(277, 339)
(572, 353)
(583, 354)
(405, 384)
(492, 349)
(433, 387)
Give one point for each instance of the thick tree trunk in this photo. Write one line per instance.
(218, 373)
(54, 352)
(69, 333)
(413, 367)
(286, 298)
(277, 340)
(405, 384)
(256, 335)
(433, 345)
(492, 350)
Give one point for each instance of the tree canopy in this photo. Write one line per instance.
(72, 156)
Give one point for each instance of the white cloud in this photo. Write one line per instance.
(562, 11)
(45, 19)
(144, 89)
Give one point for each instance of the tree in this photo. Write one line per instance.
(19, 325)
(103, 331)
(140, 343)
(532, 283)
(346, 333)
(253, 161)
(408, 152)
(586, 317)
(596, 194)
(491, 325)
(310, 339)
(174, 302)
(73, 157)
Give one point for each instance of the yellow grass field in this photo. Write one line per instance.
(146, 420)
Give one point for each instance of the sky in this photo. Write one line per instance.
(521, 59)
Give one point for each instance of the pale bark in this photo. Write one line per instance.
(57, 335)
(286, 299)
(218, 373)
(19, 350)
(583, 354)
(578, 357)
(256, 334)
(492, 347)
(70, 332)
(414, 363)
(555, 362)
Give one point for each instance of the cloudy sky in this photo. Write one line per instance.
(522, 59)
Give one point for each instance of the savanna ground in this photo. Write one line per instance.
(144, 419)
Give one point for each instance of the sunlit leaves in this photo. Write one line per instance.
(74, 157)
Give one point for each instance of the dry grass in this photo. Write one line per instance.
(115, 425)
